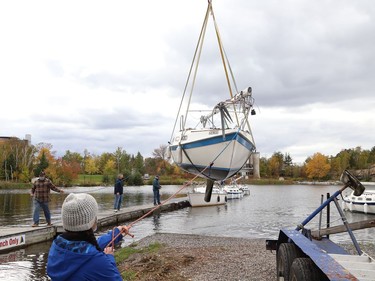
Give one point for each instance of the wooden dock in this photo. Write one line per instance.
(12, 238)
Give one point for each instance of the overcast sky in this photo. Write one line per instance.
(99, 75)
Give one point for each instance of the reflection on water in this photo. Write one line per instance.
(260, 215)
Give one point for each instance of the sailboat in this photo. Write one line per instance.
(213, 143)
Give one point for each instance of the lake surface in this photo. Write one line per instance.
(259, 215)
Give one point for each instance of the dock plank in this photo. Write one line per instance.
(15, 237)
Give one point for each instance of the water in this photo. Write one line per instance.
(260, 215)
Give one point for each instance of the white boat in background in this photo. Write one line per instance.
(365, 203)
(217, 144)
(245, 189)
(233, 191)
(196, 197)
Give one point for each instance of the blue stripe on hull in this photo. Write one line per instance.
(217, 139)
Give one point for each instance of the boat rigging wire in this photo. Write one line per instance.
(194, 68)
(126, 231)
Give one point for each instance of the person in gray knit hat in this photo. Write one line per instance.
(77, 254)
(79, 212)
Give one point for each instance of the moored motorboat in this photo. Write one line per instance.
(233, 191)
(196, 197)
(245, 189)
(365, 203)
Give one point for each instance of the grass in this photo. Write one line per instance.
(89, 180)
(124, 253)
(14, 185)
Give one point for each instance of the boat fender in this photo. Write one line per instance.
(365, 208)
(178, 154)
(218, 198)
(226, 199)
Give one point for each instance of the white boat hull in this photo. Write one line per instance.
(208, 154)
(196, 198)
(245, 190)
(233, 192)
(360, 204)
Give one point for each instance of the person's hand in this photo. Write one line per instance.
(32, 194)
(109, 251)
(62, 191)
(125, 230)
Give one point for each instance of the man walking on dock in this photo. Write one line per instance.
(155, 188)
(41, 193)
(119, 191)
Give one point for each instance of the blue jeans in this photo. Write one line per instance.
(37, 206)
(118, 201)
(156, 196)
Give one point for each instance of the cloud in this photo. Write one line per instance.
(100, 75)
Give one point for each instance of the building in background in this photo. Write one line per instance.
(5, 139)
(251, 168)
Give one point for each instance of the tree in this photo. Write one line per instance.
(161, 152)
(276, 164)
(90, 166)
(42, 165)
(138, 164)
(109, 171)
(288, 165)
(73, 157)
(66, 172)
(317, 167)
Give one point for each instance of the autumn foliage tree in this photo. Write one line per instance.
(317, 167)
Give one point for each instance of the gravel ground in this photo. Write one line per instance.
(195, 257)
(200, 258)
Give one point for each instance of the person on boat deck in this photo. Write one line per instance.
(118, 191)
(40, 193)
(156, 189)
(76, 254)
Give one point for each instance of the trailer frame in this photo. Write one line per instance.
(300, 256)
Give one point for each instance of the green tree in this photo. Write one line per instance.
(42, 165)
(288, 165)
(138, 164)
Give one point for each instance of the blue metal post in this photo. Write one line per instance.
(317, 211)
(344, 220)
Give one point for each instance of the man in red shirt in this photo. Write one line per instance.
(41, 191)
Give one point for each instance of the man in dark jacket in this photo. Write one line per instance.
(41, 191)
(119, 191)
(155, 188)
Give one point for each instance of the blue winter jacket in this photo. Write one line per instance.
(119, 186)
(80, 260)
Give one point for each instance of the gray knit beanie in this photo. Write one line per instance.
(79, 212)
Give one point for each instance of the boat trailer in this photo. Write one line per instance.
(305, 255)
